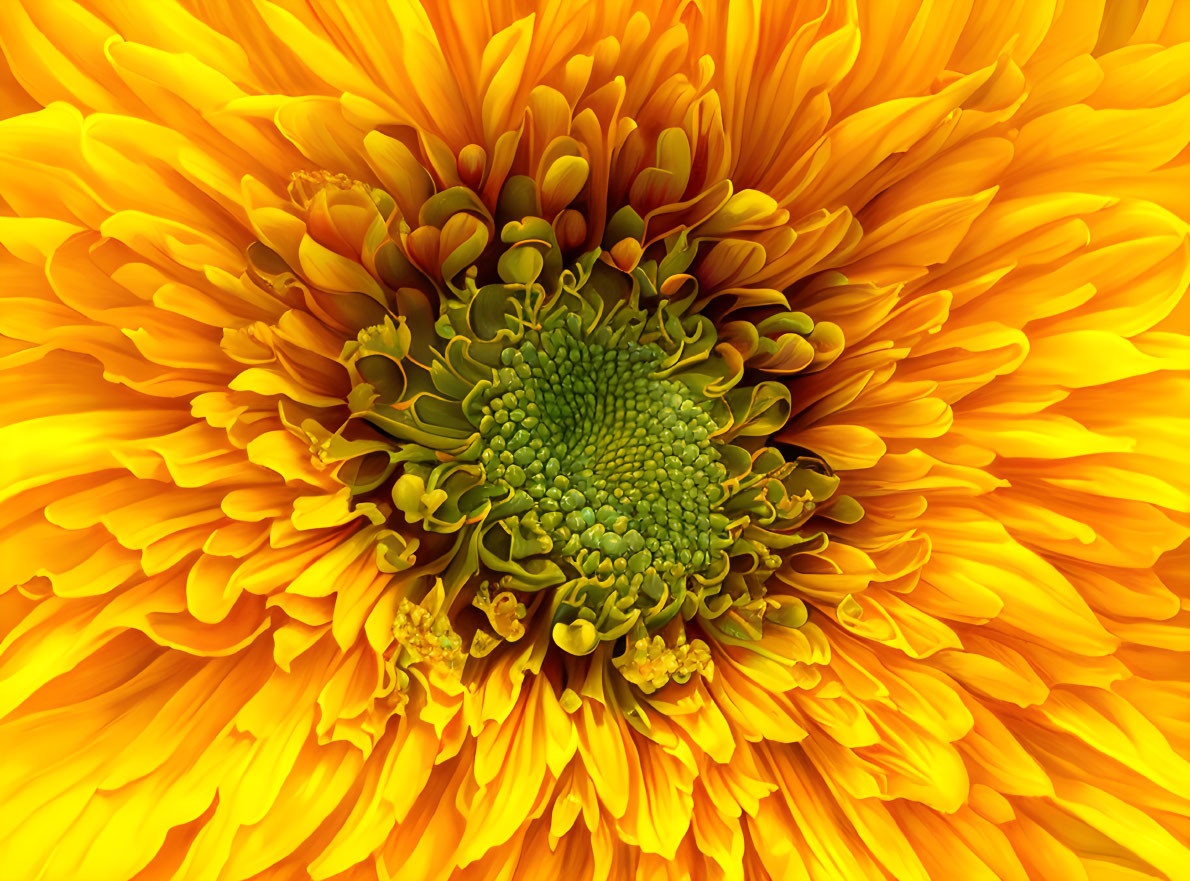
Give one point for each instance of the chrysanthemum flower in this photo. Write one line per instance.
(594, 440)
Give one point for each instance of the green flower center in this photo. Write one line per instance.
(593, 451)
(617, 459)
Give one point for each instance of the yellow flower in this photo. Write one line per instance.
(546, 439)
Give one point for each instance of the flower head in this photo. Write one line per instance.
(656, 439)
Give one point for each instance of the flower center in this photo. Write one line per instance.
(617, 460)
(593, 455)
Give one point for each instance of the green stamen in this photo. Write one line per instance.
(634, 448)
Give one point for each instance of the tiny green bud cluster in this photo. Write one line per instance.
(618, 460)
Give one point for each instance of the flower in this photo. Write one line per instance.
(653, 439)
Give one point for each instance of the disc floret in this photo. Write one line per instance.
(618, 460)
